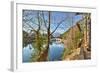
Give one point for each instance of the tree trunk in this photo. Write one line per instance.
(44, 55)
(48, 38)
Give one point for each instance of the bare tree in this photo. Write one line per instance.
(44, 55)
(42, 21)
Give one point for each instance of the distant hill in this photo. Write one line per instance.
(27, 38)
(72, 37)
(56, 34)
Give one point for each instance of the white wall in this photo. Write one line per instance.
(5, 35)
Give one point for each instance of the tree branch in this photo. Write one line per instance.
(38, 20)
(31, 27)
(57, 26)
(44, 19)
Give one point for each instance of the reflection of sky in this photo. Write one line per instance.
(56, 17)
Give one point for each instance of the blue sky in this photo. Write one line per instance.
(70, 17)
(56, 17)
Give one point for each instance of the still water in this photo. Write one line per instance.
(55, 52)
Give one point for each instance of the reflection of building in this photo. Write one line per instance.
(58, 40)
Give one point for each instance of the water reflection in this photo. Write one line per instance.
(55, 52)
(26, 52)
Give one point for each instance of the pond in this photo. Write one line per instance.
(26, 53)
(55, 52)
